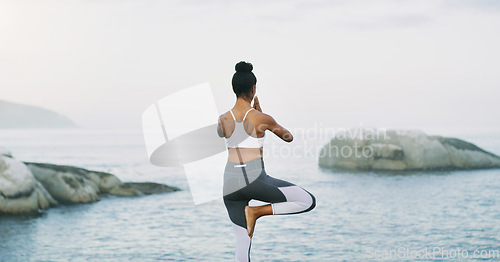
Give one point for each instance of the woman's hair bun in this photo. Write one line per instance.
(243, 66)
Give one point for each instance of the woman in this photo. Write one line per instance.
(243, 128)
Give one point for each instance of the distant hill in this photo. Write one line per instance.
(14, 115)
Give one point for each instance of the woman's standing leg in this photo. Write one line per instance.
(236, 211)
(252, 182)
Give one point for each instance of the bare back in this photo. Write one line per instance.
(250, 123)
(255, 125)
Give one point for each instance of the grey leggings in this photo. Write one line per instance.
(247, 181)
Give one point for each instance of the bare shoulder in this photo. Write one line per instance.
(267, 122)
(224, 116)
(263, 117)
(221, 125)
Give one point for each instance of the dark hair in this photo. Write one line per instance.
(243, 79)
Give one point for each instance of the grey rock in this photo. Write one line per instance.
(66, 184)
(28, 186)
(150, 188)
(20, 192)
(375, 149)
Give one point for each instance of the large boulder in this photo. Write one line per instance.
(28, 187)
(376, 149)
(20, 192)
(65, 183)
(69, 184)
(148, 188)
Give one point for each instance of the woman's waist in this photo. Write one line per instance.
(238, 175)
(244, 154)
(249, 165)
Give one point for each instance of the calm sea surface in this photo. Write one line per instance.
(358, 217)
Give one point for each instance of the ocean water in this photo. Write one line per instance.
(359, 216)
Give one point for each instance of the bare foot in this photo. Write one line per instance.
(252, 213)
(251, 218)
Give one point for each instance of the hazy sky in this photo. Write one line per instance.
(338, 63)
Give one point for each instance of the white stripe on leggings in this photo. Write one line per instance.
(243, 242)
(297, 200)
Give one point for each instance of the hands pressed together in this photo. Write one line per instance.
(256, 104)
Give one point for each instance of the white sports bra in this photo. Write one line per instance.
(240, 138)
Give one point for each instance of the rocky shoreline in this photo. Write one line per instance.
(403, 150)
(28, 187)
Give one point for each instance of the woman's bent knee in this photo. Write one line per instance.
(313, 204)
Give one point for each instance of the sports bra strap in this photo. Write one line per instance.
(232, 114)
(246, 114)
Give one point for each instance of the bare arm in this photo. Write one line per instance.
(220, 132)
(269, 123)
(273, 126)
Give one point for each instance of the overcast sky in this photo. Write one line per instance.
(338, 63)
